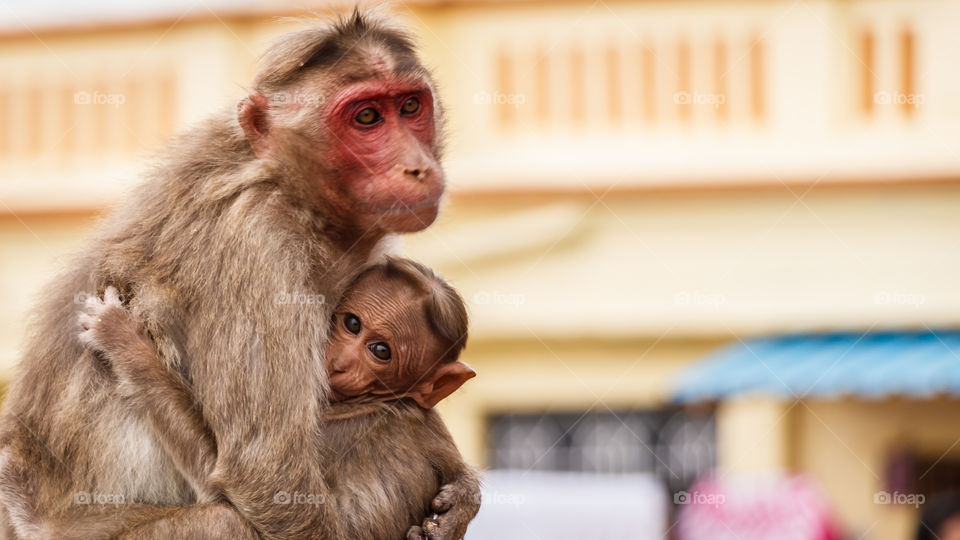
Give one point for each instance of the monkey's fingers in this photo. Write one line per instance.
(87, 321)
(89, 340)
(444, 500)
(432, 529)
(415, 533)
(112, 296)
(449, 526)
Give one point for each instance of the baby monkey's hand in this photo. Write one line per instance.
(454, 507)
(112, 330)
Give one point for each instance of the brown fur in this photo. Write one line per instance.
(415, 457)
(444, 309)
(204, 246)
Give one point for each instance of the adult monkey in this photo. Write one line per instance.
(337, 146)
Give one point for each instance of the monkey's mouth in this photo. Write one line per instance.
(403, 208)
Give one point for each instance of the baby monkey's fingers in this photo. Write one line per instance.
(86, 320)
(94, 307)
(415, 533)
(111, 296)
(445, 499)
(433, 531)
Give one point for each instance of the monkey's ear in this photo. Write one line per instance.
(253, 116)
(443, 382)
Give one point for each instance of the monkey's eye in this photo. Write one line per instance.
(368, 116)
(352, 323)
(410, 106)
(380, 349)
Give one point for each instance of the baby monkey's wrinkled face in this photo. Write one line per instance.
(382, 346)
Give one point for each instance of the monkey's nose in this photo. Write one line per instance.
(417, 173)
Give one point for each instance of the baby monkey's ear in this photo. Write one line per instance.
(441, 383)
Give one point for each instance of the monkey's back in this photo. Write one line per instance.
(384, 463)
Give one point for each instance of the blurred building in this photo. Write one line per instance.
(675, 222)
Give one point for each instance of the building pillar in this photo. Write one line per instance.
(754, 435)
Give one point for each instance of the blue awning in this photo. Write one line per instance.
(873, 365)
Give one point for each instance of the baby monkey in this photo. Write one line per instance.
(393, 354)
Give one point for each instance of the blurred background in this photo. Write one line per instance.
(710, 247)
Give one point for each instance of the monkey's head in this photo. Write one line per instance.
(350, 109)
(398, 333)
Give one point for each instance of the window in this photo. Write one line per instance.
(675, 444)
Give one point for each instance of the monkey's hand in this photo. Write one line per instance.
(111, 329)
(455, 506)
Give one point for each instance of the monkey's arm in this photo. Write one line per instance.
(161, 395)
(458, 501)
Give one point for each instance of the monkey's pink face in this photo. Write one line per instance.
(385, 139)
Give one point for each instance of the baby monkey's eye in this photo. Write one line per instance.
(410, 106)
(368, 116)
(380, 349)
(352, 323)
